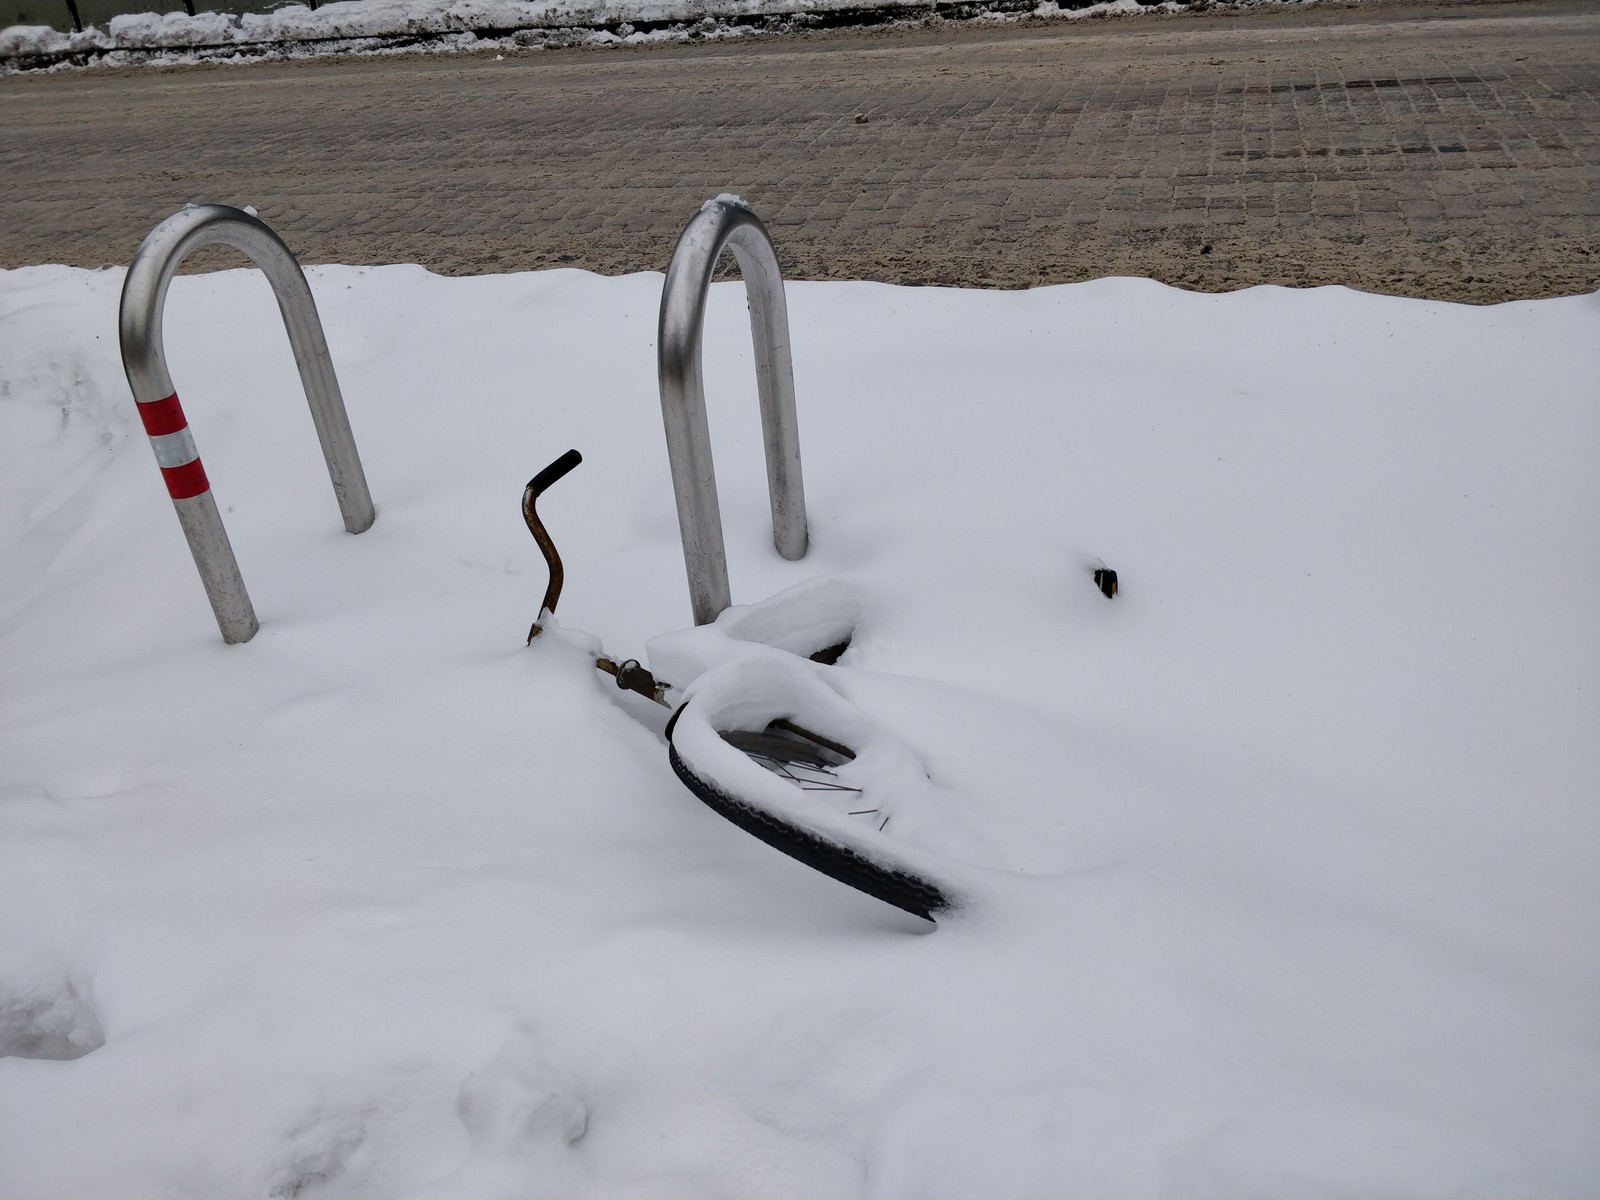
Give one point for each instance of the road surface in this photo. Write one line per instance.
(1446, 151)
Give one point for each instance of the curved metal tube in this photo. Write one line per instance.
(144, 295)
(726, 223)
(547, 546)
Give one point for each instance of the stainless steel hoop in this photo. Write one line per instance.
(144, 295)
(726, 223)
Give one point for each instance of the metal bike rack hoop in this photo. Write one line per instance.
(726, 223)
(144, 296)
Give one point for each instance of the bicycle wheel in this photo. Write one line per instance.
(764, 744)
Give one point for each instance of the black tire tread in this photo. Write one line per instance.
(899, 888)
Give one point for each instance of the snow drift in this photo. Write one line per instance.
(1289, 878)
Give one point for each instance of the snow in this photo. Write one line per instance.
(387, 26)
(1279, 869)
(721, 199)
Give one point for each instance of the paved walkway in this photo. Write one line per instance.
(1444, 151)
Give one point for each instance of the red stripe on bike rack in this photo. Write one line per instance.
(186, 481)
(162, 416)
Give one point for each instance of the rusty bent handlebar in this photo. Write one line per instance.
(536, 487)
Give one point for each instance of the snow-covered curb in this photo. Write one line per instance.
(375, 26)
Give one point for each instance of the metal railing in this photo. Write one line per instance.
(144, 295)
(726, 223)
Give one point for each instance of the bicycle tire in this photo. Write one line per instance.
(902, 889)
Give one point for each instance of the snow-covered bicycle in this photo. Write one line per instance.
(761, 735)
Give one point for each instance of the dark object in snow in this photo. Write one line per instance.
(829, 655)
(536, 485)
(631, 677)
(861, 118)
(1205, 249)
(906, 891)
(1106, 580)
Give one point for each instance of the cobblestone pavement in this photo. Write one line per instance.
(1442, 151)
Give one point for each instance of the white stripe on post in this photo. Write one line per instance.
(175, 449)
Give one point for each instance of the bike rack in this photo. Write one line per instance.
(144, 295)
(726, 223)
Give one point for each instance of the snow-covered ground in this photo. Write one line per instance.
(1284, 861)
(387, 26)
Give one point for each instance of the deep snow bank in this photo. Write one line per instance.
(1290, 849)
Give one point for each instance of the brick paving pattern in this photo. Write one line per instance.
(1449, 152)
